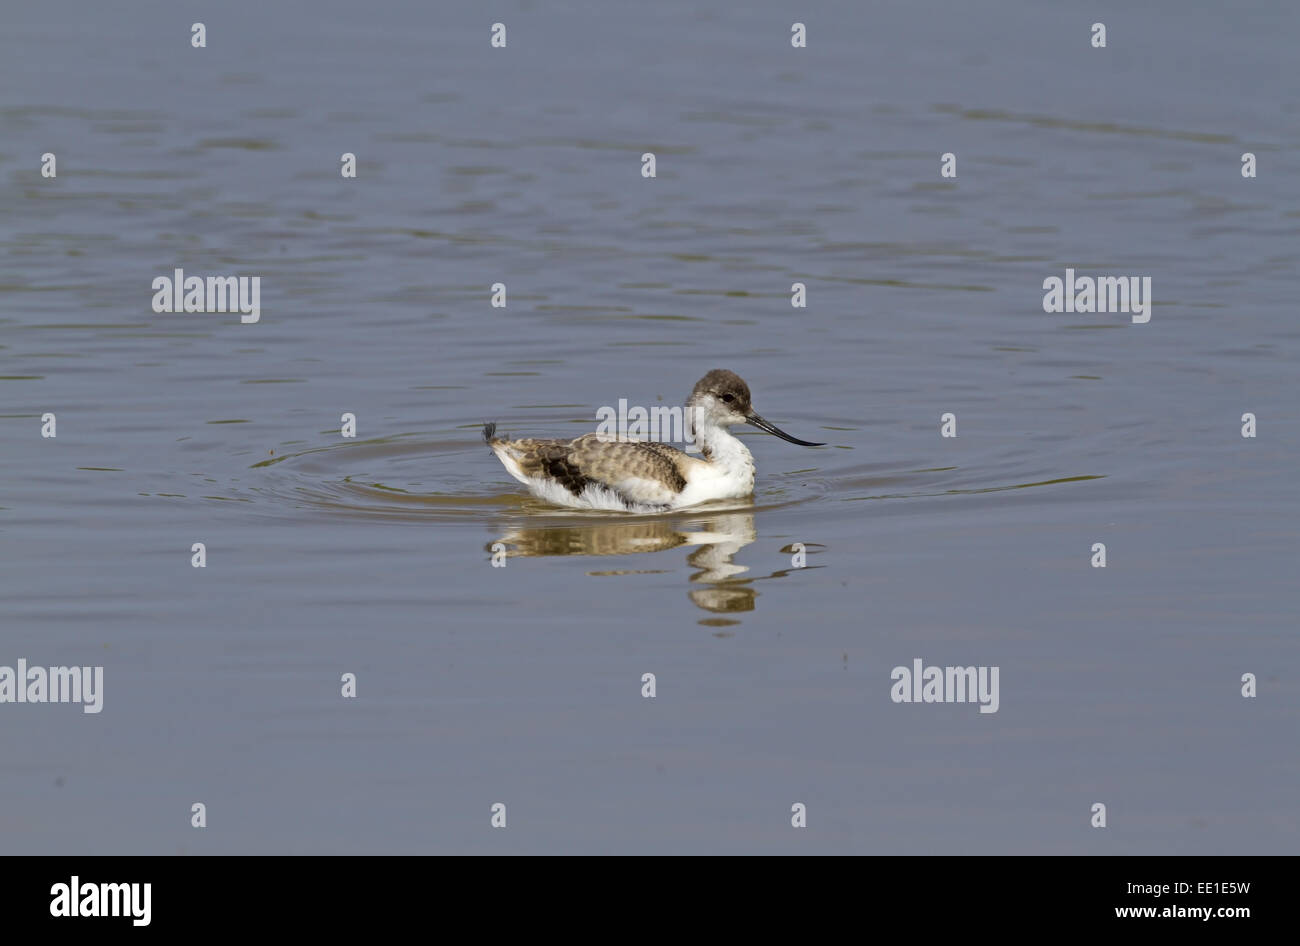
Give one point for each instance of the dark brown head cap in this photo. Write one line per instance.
(726, 386)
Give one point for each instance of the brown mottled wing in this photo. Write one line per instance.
(639, 471)
(643, 471)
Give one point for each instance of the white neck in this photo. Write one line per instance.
(727, 453)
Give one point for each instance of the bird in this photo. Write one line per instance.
(617, 474)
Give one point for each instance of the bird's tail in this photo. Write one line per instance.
(489, 432)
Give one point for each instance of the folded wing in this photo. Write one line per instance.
(639, 472)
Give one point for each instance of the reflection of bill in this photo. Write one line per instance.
(716, 538)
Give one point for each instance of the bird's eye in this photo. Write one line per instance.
(728, 398)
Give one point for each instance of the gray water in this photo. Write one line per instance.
(523, 685)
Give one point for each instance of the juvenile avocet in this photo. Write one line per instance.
(596, 471)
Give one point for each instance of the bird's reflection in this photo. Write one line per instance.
(716, 545)
(714, 538)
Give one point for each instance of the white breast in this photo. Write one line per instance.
(728, 473)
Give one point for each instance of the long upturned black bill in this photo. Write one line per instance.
(773, 429)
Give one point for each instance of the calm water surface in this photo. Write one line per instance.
(522, 684)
